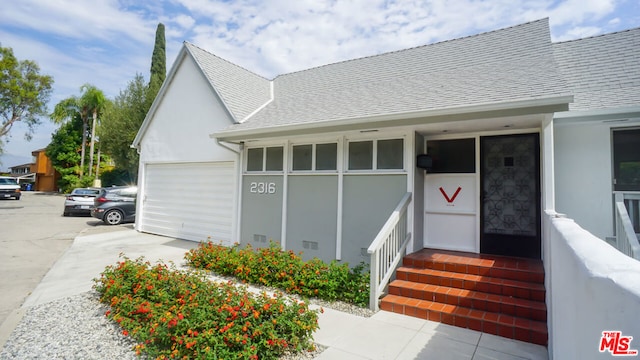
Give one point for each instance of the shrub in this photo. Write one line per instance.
(285, 270)
(175, 314)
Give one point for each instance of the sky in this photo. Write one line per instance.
(107, 42)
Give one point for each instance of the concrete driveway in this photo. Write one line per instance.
(33, 235)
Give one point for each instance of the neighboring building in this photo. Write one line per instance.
(484, 133)
(46, 176)
(25, 173)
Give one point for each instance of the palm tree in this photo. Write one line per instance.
(90, 102)
(93, 101)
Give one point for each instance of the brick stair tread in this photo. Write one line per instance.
(463, 311)
(471, 277)
(481, 260)
(450, 291)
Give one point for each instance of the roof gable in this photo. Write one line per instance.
(602, 71)
(242, 91)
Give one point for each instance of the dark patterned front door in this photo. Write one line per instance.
(510, 195)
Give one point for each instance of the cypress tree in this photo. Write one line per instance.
(158, 60)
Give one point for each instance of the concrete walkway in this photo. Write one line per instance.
(383, 336)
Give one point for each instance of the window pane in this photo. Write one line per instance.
(274, 158)
(326, 156)
(626, 160)
(254, 159)
(390, 154)
(361, 155)
(453, 156)
(302, 156)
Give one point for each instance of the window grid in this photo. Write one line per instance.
(314, 158)
(374, 156)
(264, 152)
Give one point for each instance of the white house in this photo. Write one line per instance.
(468, 145)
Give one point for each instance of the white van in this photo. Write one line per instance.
(9, 188)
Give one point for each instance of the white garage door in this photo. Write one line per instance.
(191, 201)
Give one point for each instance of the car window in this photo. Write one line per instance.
(85, 192)
(129, 192)
(8, 181)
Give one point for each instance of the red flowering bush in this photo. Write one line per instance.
(175, 314)
(285, 270)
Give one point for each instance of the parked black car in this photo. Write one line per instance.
(115, 205)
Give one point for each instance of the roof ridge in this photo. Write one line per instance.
(414, 47)
(225, 60)
(597, 36)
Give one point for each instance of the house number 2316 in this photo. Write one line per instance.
(262, 188)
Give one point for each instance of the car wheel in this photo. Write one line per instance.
(65, 214)
(112, 217)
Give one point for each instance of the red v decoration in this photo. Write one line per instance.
(450, 199)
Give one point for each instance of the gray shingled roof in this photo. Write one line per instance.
(242, 91)
(602, 71)
(511, 64)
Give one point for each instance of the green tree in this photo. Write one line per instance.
(120, 123)
(24, 93)
(158, 60)
(64, 153)
(88, 105)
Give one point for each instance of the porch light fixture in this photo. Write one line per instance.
(424, 161)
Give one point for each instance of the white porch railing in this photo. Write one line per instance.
(388, 249)
(627, 205)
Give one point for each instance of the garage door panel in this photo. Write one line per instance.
(190, 201)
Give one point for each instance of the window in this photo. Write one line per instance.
(384, 154)
(390, 154)
(302, 157)
(327, 156)
(254, 159)
(452, 156)
(319, 157)
(360, 155)
(274, 158)
(626, 160)
(265, 159)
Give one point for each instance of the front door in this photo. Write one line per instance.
(510, 195)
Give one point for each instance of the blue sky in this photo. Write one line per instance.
(106, 42)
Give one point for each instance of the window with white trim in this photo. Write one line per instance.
(387, 154)
(265, 159)
(314, 157)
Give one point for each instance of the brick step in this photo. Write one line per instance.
(480, 283)
(502, 267)
(477, 300)
(488, 322)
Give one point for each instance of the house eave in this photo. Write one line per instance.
(442, 115)
(619, 114)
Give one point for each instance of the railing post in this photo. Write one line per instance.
(373, 282)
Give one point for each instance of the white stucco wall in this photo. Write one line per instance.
(188, 113)
(591, 288)
(583, 180)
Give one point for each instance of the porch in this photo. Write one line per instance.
(582, 287)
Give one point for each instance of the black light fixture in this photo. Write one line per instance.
(424, 161)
